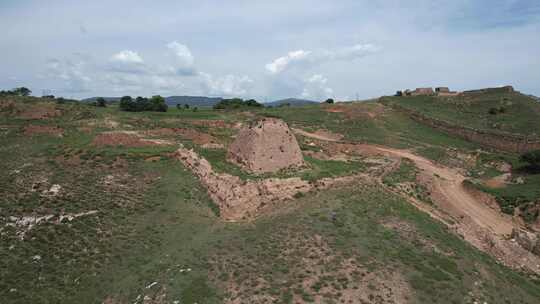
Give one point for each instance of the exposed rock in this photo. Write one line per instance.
(266, 146)
(528, 240)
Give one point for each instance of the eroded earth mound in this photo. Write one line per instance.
(266, 146)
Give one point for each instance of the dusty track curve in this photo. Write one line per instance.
(457, 200)
(481, 225)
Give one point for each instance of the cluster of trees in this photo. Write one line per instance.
(22, 91)
(533, 160)
(101, 102)
(236, 103)
(140, 104)
(186, 107)
(329, 100)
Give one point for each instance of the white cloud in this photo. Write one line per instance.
(312, 58)
(353, 52)
(228, 85)
(127, 56)
(72, 73)
(315, 87)
(282, 63)
(185, 62)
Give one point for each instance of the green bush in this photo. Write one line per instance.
(140, 104)
(532, 158)
(236, 103)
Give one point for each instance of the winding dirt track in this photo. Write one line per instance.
(456, 200)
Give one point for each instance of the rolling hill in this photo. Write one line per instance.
(293, 102)
(98, 205)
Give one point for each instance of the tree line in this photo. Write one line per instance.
(22, 91)
(236, 103)
(155, 103)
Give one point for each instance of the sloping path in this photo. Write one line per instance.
(457, 200)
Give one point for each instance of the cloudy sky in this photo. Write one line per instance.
(267, 49)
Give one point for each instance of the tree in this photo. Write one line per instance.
(155, 103)
(179, 106)
(22, 91)
(158, 104)
(532, 158)
(126, 103)
(329, 100)
(186, 106)
(101, 102)
(195, 109)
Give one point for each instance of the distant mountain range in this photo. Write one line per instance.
(203, 101)
(293, 102)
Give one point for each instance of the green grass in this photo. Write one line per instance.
(158, 221)
(521, 115)
(405, 173)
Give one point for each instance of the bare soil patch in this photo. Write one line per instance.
(126, 139)
(39, 111)
(32, 130)
(210, 123)
(498, 181)
(197, 137)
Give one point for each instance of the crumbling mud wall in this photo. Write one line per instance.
(239, 199)
(266, 146)
(500, 141)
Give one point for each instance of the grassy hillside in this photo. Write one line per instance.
(157, 238)
(495, 111)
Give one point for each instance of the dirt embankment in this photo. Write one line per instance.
(240, 199)
(467, 214)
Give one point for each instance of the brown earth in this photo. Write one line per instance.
(325, 268)
(32, 130)
(240, 199)
(126, 139)
(481, 225)
(356, 111)
(197, 137)
(210, 123)
(266, 146)
(39, 111)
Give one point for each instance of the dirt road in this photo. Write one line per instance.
(455, 200)
(484, 227)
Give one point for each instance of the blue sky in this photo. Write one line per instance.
(267, 49)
